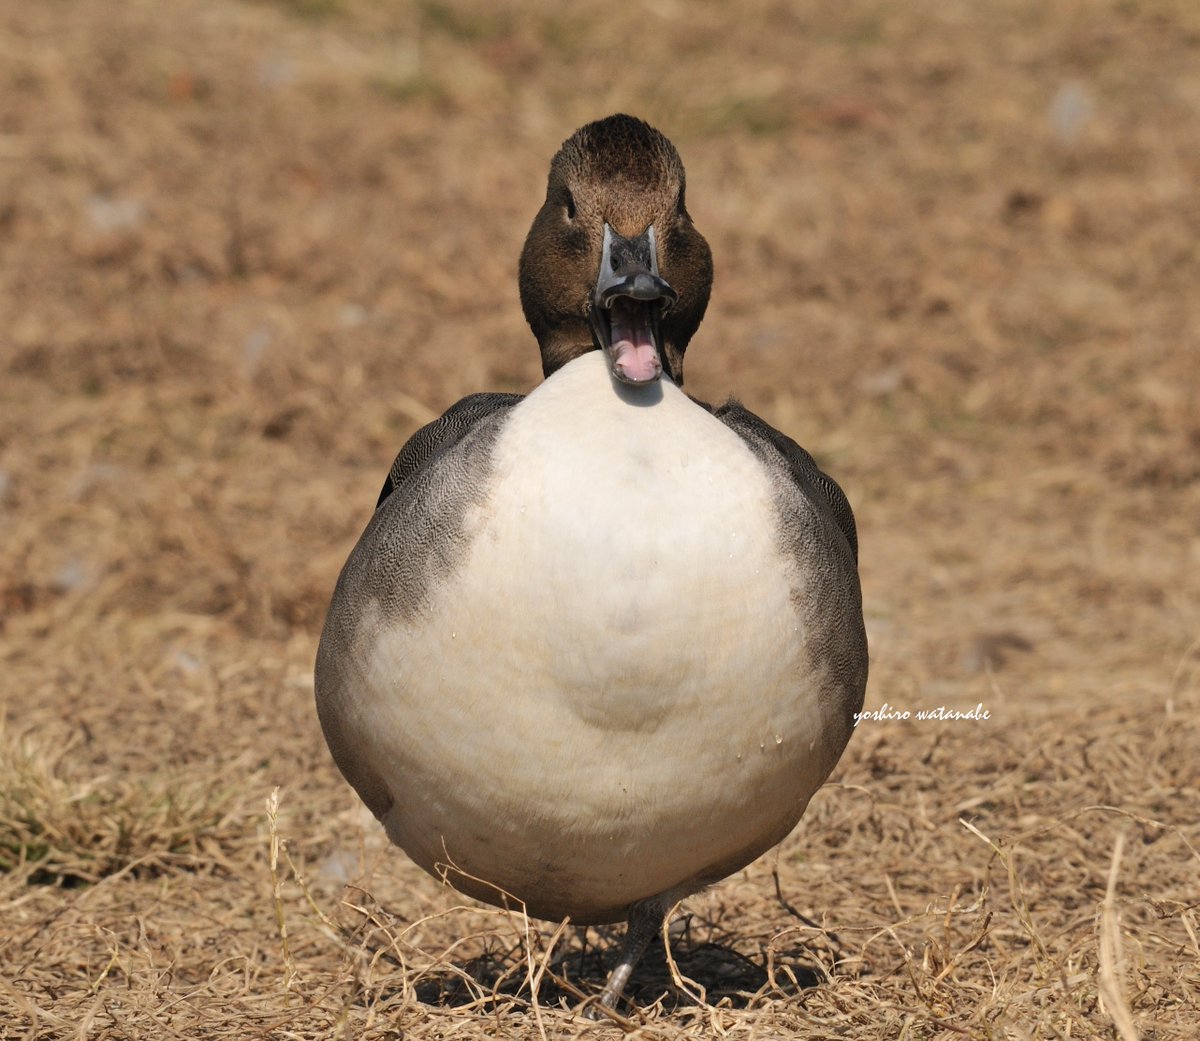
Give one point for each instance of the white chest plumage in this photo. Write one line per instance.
(607, 699)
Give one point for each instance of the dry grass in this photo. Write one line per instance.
(246, 247)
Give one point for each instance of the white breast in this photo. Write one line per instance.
(607, 700)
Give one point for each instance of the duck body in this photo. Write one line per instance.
(613, 689)
(598, 645)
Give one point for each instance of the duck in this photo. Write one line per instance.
(599, 644)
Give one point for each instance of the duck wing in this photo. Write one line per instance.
(816, 485)
(436, 438)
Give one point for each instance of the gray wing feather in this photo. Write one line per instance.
(412, 538)
(818, 533)
(433, 439)
(802, 467)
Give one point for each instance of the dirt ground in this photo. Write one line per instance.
(247, 247)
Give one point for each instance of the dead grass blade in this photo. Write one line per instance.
(1112, 988)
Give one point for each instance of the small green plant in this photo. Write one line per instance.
(55, 830)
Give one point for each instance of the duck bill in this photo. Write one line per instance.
(629, 299)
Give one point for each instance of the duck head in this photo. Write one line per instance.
(612, 261)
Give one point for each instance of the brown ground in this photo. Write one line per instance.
(246, 247)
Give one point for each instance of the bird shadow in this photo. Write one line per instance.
(704, 967)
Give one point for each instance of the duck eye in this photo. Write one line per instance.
(569, 202)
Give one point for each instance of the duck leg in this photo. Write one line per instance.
(645, 922)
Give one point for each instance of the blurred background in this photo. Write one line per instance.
(248, 246)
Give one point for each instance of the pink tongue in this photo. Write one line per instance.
(635, 357)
